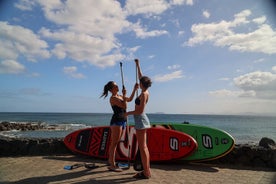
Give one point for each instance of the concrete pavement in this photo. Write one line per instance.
(50, 170)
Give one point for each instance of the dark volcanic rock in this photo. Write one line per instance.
(6, 126)
(32, 146)
(267, 143)
(250, 155)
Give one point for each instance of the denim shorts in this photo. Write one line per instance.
(141, 121)
(122, 124)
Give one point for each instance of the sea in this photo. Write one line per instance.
(245, 129)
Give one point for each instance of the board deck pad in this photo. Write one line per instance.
(212, 143)
(164, 144)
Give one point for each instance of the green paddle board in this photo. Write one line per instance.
(212, 143)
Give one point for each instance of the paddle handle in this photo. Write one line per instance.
(122, 75)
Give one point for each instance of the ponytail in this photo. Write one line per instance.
(107, 88)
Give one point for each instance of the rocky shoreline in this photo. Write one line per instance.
(28, 126)
(261, 155)
(6, 126)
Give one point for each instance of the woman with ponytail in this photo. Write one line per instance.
(118, 120)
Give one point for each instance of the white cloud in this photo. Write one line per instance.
(170, 76)
(224, 79)
(259, 85)
(173, 67)
(259, 60)
(181, 33)
(131, 53)
(134, 7)
(35, 74)
(89, 35)
(143, 33)
(25, 5)
(274, 69)
(263, 83)
(93, 19)
(11, 67)
(151, 56)
(180, 2)
(256, 81)
(17, 40)
(206, 14)
(153, 7)
(83, 47)
(190, 2)
(134, 49)
(72, 72)
(228, 93)
(222, 34)
(260, 20)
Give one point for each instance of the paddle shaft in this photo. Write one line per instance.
(127, 127)
(136, 70)
(122, 75)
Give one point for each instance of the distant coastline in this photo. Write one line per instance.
(161, 113)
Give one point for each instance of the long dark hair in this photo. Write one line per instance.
(107, 88)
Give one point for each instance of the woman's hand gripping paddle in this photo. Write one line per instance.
(121, 165)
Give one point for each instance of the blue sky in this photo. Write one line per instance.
(204, 57)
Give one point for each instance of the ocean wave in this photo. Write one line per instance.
(65, 126)
(34, 129)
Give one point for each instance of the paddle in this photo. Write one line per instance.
(122, 75)
(137, 165)
(136, 76)
(124, 166)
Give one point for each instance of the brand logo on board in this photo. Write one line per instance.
(207, 141)
(174, 144)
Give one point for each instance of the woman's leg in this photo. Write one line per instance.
(116, 133)
(142, 143)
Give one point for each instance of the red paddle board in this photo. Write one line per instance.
(163, 144)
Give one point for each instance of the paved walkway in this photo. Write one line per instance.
(50, 170)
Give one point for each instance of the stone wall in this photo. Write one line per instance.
(32, 146)
(263, 155)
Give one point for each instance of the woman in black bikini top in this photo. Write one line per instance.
(118, 120)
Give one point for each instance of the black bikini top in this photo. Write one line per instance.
(118, 114)
(137, 101)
